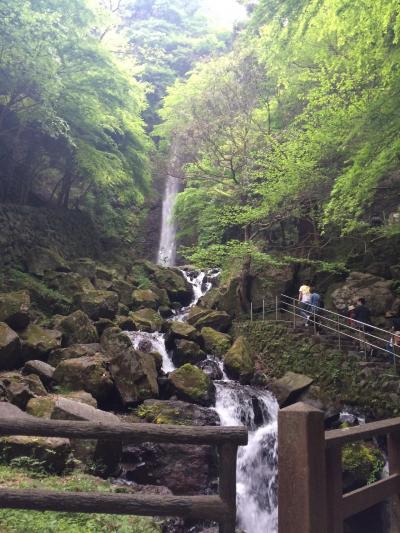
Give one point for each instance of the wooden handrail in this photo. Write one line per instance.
(221, 508)
(339, 437)
(136, 433)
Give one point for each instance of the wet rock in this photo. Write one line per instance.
(98, 304)
(238, 361)
(172, 280)
(53, 453)
(192, 384)
(38, 342)
(200, 318)
(19, 389)
(41, 260)
(211, 368)
(14, 309)
(186, 351)
(288, 388)
(165, 311)
(72, 352)
(41, 369)
(10, 348)
(134, 373)
(215, 342)
(181, 330)
(177, 412)
(147, 320)
(87, 373)
(145, 298)
(77, 328)
(126, 323)
(102, 324)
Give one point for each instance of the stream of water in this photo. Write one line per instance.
(238, 405)
(167, 247)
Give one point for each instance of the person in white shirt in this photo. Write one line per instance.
(305, 299)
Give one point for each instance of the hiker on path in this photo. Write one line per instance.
(305, 299)
(362, 316)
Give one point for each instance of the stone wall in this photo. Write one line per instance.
(70, 233)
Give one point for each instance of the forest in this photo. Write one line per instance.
(286, 129)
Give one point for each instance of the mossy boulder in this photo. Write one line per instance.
(51, 454)
(77, 328)
(134, 372)
(86, 373)
(10, 348)
(288, 388)
(182, 330)
(215, 342)
(177, 412)
(192, 384)
(98, 304)
(200, 317)
(85, 267)
(38, 342)
(41, 260)
(147, 320)
(142, 298)
(14, 309)
(362, 464)
(186, 351)
(68, 283)
(170, 279)
(124, 291)
(238, 361)
(72, 352)
(41, 369)
(19, 389)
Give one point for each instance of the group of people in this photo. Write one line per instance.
(359, 317)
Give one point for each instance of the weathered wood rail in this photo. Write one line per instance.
(220, 508)
(311, 498)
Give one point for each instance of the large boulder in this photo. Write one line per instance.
(215, 342)
(134, 372)
(184, 469)
(10, 348)
(19, 389)
(172, 280)
(40, 260)
(187, 352)
(147, 320)
(87, 373)
(200, 317)
(14, 309)
(142, 298)
(181, 330)
(289, 388)
(98, 304)
(85, 267)
(191, 384)
(238, 361)
(68, 283)
(124, 291)
(41, 369)
(377, 292)
(38, 342)
(77, 328)
(211, 367)
(72, 352)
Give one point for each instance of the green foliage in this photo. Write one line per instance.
(363, 462)
(13, 521)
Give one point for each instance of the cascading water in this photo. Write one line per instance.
(167, 247)
(237, 405)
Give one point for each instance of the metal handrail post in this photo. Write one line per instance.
(294, 314)
(364, 343)
(315, 324)
(339, 336)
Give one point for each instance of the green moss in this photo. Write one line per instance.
(192, 381)
(12, 521)
(159, 414)
(362, 462)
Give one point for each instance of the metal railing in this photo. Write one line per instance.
(367, 337)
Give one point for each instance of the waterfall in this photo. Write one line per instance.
(237, 405)
(167, 246)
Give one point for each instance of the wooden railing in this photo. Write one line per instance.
(311, 498)
(220, 508)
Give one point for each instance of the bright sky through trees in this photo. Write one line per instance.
(224, 12)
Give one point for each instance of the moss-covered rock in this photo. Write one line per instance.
(192, 384)
(288, 388)
(170, 279)
(142, 298)
(200, 317)
(68, 283)
(38, 342)
(51, 454)
(182, 330)
(238, 361)
(14, 309)
(77, 328)
(72, 352)
(124, 291)
(20, 388)
(85, 373)
(41, 369)
(98, 304)
(362, 464)
(147, 320)
(40, 260)
(177, 412)
(186, 351)
(10, 348)
(85, 267)
(215, 342)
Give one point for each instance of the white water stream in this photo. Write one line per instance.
(238, 405)
(167, 247)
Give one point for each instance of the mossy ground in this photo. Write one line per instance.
(339, 376)
(16, 521)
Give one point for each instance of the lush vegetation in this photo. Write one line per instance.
(290, 138)
(31, 477)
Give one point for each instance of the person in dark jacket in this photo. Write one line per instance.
(362, 317)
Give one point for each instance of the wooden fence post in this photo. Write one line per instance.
(302, 470)
(227, 485)
(393, 444)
